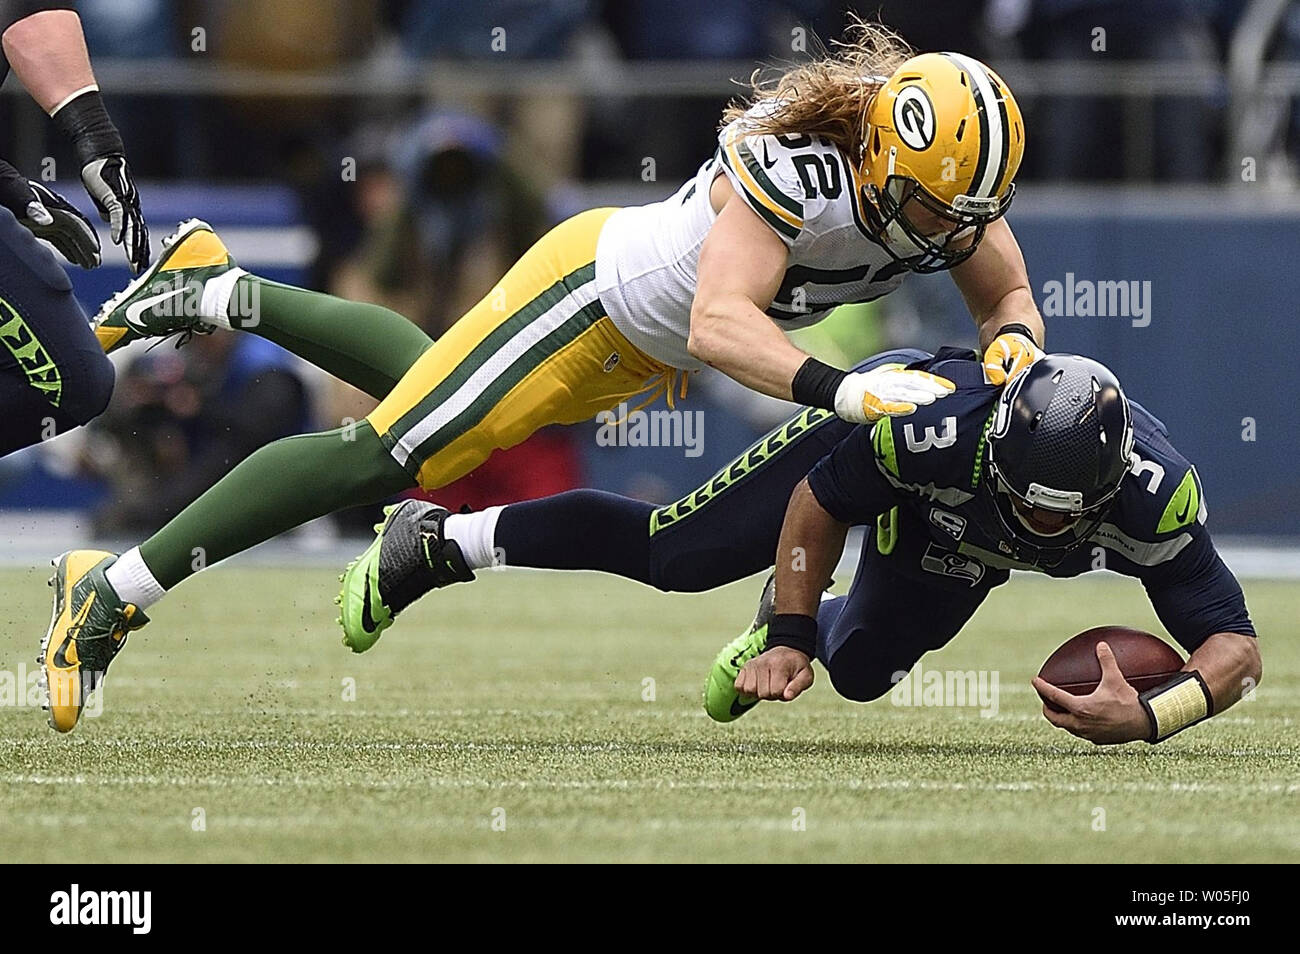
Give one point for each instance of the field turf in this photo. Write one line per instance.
(512, 720)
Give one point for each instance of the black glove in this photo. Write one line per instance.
(49, 216)
(109, 183)
(105, 174)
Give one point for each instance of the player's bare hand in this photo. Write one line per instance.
(780, 674)
(1109, 715)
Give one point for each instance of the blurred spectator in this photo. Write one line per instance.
(678, 133)
(182, 418)
(545, 126)
(936, 24)
(449, 217)
(129, 28)
(444, 216)
(1084, 137)
(290, 34)
(529, 29)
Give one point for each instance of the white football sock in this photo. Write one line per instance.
(475, 534)
(133, 581)
(214, 307)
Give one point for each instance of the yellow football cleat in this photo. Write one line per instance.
(88, 627)
(168, 297)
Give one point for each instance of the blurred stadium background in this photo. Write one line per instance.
(405, 152)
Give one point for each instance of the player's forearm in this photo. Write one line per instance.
(1015, 308)
(1230, 665)
(732, 335)
(48, 52)
(810, 545)
(995, 285)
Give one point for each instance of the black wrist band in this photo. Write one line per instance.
(815, 384)
(85, 121)
(1017, 328)
(794, 631)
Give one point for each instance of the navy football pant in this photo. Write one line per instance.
(725, 531)
(884, 625)
(54, 376)
(728, 530)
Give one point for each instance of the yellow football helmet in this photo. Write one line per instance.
(943, 140)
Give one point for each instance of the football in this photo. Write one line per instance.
(1145, 660)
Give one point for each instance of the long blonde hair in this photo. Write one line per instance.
(829, 95)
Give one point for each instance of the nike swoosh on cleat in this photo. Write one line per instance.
(739, 708)
(367, 621)
(134, 310)
(60, 658)
(61, 661)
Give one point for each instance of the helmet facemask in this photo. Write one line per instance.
(1037, 545)
(1043, 522)
(925, 233)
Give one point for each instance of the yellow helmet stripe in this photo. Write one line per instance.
(994, 142)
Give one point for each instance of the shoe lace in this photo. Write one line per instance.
(182, 338)
(120, 626)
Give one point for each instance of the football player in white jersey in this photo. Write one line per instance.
(828, 188)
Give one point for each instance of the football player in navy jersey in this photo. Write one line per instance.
(1056, 472)
(53, 374)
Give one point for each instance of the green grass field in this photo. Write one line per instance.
(519, 699)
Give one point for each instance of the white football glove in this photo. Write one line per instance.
(866, 396)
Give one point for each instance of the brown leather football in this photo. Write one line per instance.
(1145, 660)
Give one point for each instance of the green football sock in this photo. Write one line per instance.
(368, 346)
(278, 487)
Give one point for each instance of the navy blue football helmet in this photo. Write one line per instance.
(1058, 450)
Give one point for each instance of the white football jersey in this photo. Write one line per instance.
(801, 186)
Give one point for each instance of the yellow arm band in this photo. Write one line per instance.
(1183, 701)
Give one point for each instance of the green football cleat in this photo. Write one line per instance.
(408, 558)
(168, 297)
(88, 628)
(722, 701)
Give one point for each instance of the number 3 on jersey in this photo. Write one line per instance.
(945, 437)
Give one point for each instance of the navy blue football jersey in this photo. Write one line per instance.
(919, 482)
